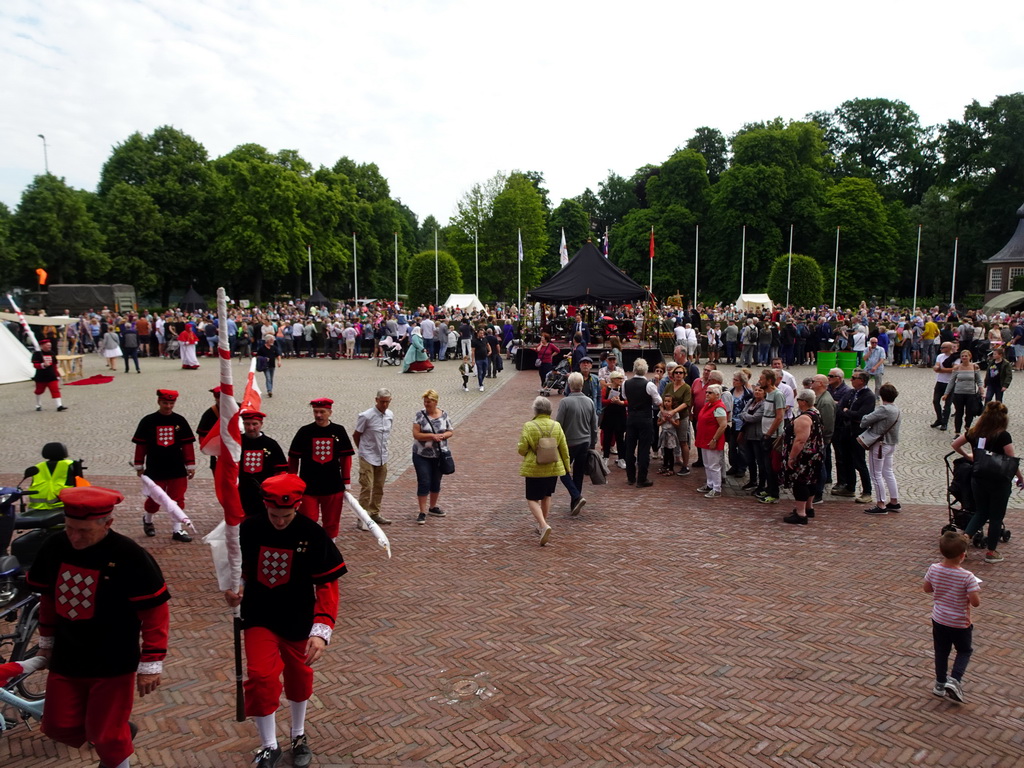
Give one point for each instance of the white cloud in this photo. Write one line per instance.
(443, 94)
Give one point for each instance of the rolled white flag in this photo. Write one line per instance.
(159, 495)
(382, 538)
(227, 560)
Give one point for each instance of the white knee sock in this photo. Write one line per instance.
(39, 401)
(175, 526)
(298, 717)
(267, 727)
(147, 517)
(59, 403)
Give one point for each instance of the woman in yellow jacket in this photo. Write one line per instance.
(541, 478)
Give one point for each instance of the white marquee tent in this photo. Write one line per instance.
(463, 301)
(15, 360)
(748, 302)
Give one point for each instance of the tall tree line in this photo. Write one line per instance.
(165, 215)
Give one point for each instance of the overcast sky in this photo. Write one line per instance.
(441, 94)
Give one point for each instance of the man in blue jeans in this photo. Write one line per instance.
(578, 417)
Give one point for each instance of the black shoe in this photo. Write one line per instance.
(943, 428)
(935, 424)
(644, 483)
(437, 512)
(61, 408)
(817, 500)
(697, 464)
(893, 507)
(630, 481)
(794, 519)
(810, 512)
(148, 528)
(267, 757)
(181, 536)
(749, 486)
(421, 519)
(301, 754)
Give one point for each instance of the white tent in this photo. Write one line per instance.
(751, 301)
(15, 360)
(463, 301)
(40, 319)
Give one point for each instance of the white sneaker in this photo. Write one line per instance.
(621, 463)
(481, 387)
(465, 388)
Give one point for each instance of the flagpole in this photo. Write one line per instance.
(396, 268)
(952, 289)
(309, 252)
(650, 286)
(696, 261)
(436, 282)
(835, 271)
(355, 267)
(917, 267)
(743, 258)
(789, 273)
(476, 259)
(519, 269)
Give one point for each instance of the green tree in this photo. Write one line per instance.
(589, 202)
(172, 168)
(421, 278)
(130, 222)
(711, 144)
(569, 217)
(518, 211)
(10, 264)
(883, 140)
(681, 180)
(806, 282)
(616, 197)
(867, 241)
(52, 229)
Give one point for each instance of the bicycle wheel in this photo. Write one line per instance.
(32, 687)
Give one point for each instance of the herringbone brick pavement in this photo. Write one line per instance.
(656, 629)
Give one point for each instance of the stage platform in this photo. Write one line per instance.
(527, 357)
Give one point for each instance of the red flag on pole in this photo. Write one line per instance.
(652, 243)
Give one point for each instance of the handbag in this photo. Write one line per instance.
(547, 448)
(989, 465)
(262, 363)
(868, 439)
(445, 460)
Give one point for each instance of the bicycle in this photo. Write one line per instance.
(24, 642)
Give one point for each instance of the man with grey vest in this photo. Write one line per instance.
(578, 417)
(642, 398)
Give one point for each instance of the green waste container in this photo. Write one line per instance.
(826, 362)
(847, 362)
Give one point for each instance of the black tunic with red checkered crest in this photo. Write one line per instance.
(281, 571)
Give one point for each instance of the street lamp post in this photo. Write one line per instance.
(46, 159)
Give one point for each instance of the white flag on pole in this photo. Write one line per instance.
(520, 245)
(563, 252)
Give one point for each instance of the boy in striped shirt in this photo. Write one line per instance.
(955, 591)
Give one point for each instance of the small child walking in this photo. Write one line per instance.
(465, 369)
(955, 591)
(668, 438)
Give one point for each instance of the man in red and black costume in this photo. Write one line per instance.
(165, 452)
(99, 593)
(47, 374)
(290, 572)
(321, 454)
(262, 458)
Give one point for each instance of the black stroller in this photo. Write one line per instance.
(960, 499)
(556, 379)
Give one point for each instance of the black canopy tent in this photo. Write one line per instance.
(192, 301)
(588, 278)
(317, 299)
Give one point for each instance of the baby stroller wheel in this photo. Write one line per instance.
(1005, 536)
(948, 528)
(978, 540)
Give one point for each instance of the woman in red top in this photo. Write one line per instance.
(711, 424)
(546, 352)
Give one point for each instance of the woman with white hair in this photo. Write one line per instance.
(711, 425)
(545, 458)
(803, 445)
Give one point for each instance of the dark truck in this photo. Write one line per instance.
(80, 297)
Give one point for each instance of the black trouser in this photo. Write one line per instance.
(844, 461)
(860, 463)
(752, 450)
(578, 459)
(130, 354)
(990, 500)
(941, 409)
(964, 413)
(737, 459)
(639, 437)
(944, 639)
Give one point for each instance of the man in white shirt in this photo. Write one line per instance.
(427, 328)
(373, 430)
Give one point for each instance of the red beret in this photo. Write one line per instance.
(283, 490)
(167, 394)
(322, 402)
(45, 341)
(89, 502)
(216, 390)
(253, 415)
